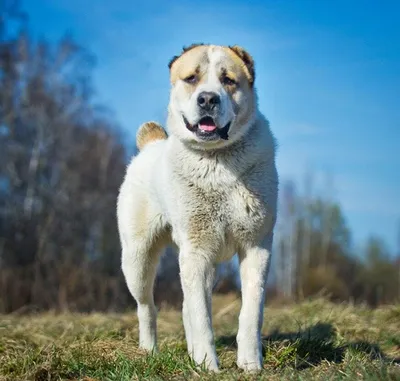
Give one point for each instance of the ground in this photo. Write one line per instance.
(311, 340)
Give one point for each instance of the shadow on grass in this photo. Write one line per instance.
(308, 347)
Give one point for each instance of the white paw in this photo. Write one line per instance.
(148, 346)
(207, 360)
(249, 356)
(249, 365)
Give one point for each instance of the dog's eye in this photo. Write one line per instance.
(190, 79)
(228, 81)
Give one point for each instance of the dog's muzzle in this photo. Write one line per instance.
(206, 129)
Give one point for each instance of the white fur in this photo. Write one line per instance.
(212, 202)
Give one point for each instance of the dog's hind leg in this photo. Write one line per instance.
(139, 265)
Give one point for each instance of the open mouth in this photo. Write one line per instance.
(207, 129)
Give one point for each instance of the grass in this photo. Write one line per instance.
(313, 340)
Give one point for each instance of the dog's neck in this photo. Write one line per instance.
(225, 164)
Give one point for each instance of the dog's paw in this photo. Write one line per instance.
(249, 360)
(250, 366)
(210, 364)
(213, 367)
(148, 345)
(206, 361)
(249, 355)
(149, 349)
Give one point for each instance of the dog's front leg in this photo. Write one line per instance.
(254, 263)
(197, 275)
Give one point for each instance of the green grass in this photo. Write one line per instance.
(312, 340)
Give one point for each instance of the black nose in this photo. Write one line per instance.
(208, 100)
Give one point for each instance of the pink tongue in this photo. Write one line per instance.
(207, 127)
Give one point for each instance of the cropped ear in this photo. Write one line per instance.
(184, 50)
(247, 60)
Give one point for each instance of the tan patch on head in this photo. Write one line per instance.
(244, 60)
(148, 132)
(184, 50)
(193, 61)
(236, 69)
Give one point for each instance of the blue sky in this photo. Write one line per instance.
(328, 78)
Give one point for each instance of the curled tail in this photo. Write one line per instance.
(149, 132)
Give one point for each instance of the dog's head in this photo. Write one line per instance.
(213, 100)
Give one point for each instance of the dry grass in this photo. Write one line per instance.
(313, 340)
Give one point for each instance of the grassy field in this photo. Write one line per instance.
(313, 340)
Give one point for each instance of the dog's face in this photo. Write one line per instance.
(212, 101)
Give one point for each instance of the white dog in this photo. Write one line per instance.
(210, 187)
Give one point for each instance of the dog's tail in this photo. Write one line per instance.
(149, 132)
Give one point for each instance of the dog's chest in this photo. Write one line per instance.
(221, 206)
(245, 212)
(227, 217)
